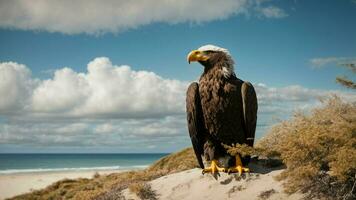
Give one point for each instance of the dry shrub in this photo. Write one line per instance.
(143, 191)
(242, 149)
(258, 155)
(319, 150)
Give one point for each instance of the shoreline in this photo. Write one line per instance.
(79, 169)
(18, 183)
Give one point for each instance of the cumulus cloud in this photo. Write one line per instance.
(15, 86)
(105, 90)
(321, 62)
(115, 106)
(93, 17)
(64, 92)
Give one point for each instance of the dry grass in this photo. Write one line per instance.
(319, 151)
(143, 191)
(176, 162)
(110, 186)
(267, 194)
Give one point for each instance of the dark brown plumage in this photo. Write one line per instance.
(220, 109)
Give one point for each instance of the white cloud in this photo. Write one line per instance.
(112, 105)
(64, 92)
(133, 133)
(320, 62)
(282, 102)
(295, 93)
(122, 92)
(93, 17)
(104, 128)
(15, 86)
(165, 127)
(272, 12)
(105, 90)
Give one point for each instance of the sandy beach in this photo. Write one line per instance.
(15, 184)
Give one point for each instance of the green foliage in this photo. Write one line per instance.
(319, 150)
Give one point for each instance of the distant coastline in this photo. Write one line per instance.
(22, 173)
(39, 163)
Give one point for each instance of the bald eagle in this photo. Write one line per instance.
(221, 109)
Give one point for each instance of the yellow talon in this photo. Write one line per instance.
(214, 168)
(238, 168)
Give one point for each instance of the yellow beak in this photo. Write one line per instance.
(197, 55)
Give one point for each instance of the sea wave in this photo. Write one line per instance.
(39, 170)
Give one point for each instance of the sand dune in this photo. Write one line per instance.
(191, 184)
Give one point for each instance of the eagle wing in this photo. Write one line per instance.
(249, 101)
(195, 121)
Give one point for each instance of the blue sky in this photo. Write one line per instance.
(290, 48)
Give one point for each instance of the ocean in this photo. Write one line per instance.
(31, 163)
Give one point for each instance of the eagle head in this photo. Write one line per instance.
(213, 56)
